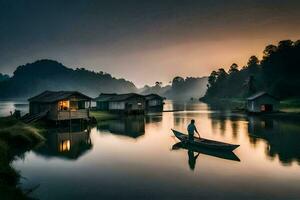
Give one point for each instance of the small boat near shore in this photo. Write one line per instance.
(205, 143)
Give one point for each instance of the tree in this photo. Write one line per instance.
(284, 44)
(270, 49)
(222, 74)
(212, 78)
(158, 84)
(177, 82)
(233, 68)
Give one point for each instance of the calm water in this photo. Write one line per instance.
(133, 159)
(10, 106)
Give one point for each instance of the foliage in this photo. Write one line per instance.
(15, 139)
(3, 77)
(277, 73)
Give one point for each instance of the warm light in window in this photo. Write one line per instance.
(65, 145)
(64, 105)
(262, 108)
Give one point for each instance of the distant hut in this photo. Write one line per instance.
(60, 105)
(154, 102)
(102, 101)
(130, 103)
(262, 102)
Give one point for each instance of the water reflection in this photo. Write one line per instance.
(194, 151)
(131, 126)
(67, 143)
(282, 137)
(158, 173)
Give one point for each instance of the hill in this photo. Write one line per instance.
(33, 78)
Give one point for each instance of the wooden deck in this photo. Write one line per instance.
(78, 114)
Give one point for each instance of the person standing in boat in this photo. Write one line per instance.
(192, 129)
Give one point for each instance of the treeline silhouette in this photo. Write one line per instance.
(180, 88)
(277, 73)
(33, 78)
(3, 77)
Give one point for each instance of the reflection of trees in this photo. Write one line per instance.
(282, 137)
(66, 144)
(131, 126)
(219, 120)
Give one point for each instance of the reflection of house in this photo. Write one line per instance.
(154, 102)
(262, 102)
(66, 144)
(60, 105)
(129, 126)
(130, 103)
(282, 137)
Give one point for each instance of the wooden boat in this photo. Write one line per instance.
(227, 155)
(205, 143)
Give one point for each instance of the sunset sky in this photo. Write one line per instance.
(143, 41)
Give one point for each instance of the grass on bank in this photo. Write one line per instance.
(16, 138)
(103, 115)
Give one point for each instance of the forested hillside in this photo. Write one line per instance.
(33, 78)
(277, 73)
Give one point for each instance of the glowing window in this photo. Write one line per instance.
(263, 108)
(65, 145)
(64, 105)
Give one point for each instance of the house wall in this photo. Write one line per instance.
(55, 114)
(128, 105)
(154, 102)
(119, 105)
(35, 108)
(102, 105)
(255, 105)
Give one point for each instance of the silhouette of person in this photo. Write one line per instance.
(192, 159)
(191, 130)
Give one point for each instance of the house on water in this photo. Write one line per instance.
(154, 103)
(262, 102)
(60, 105)
(130, 103)
(102, 101)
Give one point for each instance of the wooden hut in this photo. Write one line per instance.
(262, 102)
(154, 102)
(60, 105)
(102, 101)
(130, 103)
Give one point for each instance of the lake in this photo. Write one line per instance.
(134, 158)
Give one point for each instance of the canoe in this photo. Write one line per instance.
(205, 143)
(227, 155)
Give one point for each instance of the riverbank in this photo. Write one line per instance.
(103, 115)
(239, 104)
(16, 138)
